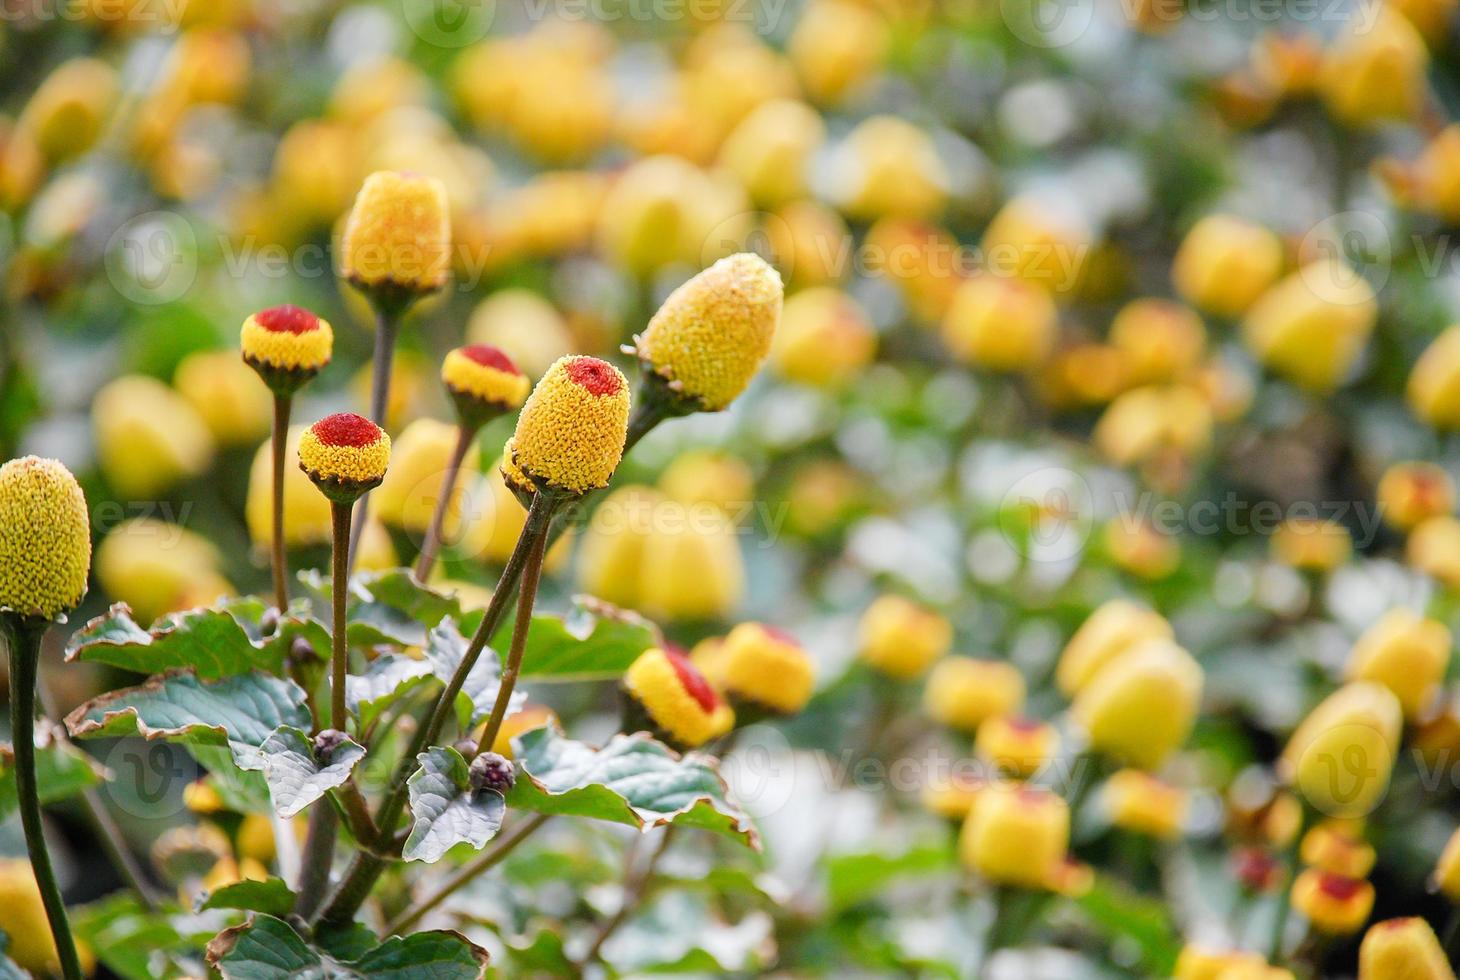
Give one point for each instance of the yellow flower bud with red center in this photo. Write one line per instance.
(45, 539)
(286, 345)
(1446, 876)
(1016, 747)
(825, 338)
(716, 479)
(1139, 548)
(1408, 654)
(156, 567)
(692, 567)
(1434, 382)
(1333, 905)
(888, 167)
(398, 235)
(227, 395)
(1312, 326)
(345, 455)
(765, 666)
(148, 438)
(836, 47)
(1336, 846)
(69, 109)
(570, 434)
(1031, 239)
(1412, 492)
(900, 638)
(677, 698)
(1163, 340)
(525, 325)
(953, 798)
(1199, 963)
(483, 382)
(1000, 323)
(712, 333)
(23, 920)
(1015, 835)
(1111, 630)
(1144, 423)
(1224, 264)
(770, 149)
(1141, 803)
(963, 693)
(1311, 544)
(419, 458)
(1403, 949)
(1342, 754)
(1434, 548)
(1141, 706)
(1375, 71)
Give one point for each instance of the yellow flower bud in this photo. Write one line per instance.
(1408, 654)
(255, 838)
(1312, 326)
(1334, 905)
(1141, 803)
(901, 639)
(306, 513)
(1070, 878)
(836, 46)
(483, 380)
(286, 343)
(677, 698)
(1403, 949)
(1312, 544)
(148, 438)
(227, 394)
(955, 798)
(919, 258)
(1434, 548)
(200, 796)
(375, 86)
(1341, 756)
(155, 567)
(825, 338)
(770, 149)
(1446, 876)
(764, 666)
(1412, 492)
(1084, 373)
(571, 432)
(1140, 549)
(45, 538)
(419, 458)
(21, 164)
(707, 477)
(1116, 627)
(1432, 182)
(1033, 241)
(1198, 963)
(209, 66)
(526, 326)
(1163, 340)
(1434, 383)
(67, 113)
(1000, 323)
(1375, 71)
(888, 167)
(692, 568)
(808, 242)
(344, 454)
(398, 235)
(23, 920)
(1144, 423)
(1141, 707)
(1224, 264)
(1336, 846)
(1016, 747)
(1015, 835)
(711, 334)
(663, 210)
(963, 693)
(316, 171)
(611, 563)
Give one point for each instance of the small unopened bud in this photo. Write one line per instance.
(326, 742)
(490, 771)
(269, 622)
(301, 652)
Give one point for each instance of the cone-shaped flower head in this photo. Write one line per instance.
(398, 235)
(763, 665)
(571, 432)
(1141, 707)
(1334, 905)
(286, 345)
(45, 538)
(712, 333)
(1015, 835)
(483, 382)
(1337, 846)
(345, 455)
(1140, 803)
(1341, 756)
(1403, 949)
(677, 698)
(963, 693)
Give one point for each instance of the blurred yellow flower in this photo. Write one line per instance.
(227, 394)
(825, 338)
(1114, 628)
(1434, 383)
(1434, 548)
(66, 113)
(1000, 323)
(692, 568)
(1342, 753)
(148, 437)
(1312, 544)
(525, 325)
(677, 697)
(1163, 340)
(710, 477)
(1333, 905)
(1312, 326)
(837, 46)
(419, 458)
(770, 150)
(1015, 835)
(1410, 493)
(1224, 264)
(1408, 654)
(1016, 747)
(1033, 240)
(1141, 706)
(1139, 802)
(888, 167)
(1403, 949)
(1336, 846)
(764, 666)
(901, 638)
(963, 693)
(156, 568)
(1375, 71)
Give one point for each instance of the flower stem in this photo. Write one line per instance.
(1450, 937)
(339, 591)
(526, 597)
(23, 636)
(319, 850)
(477, 866)
(282, 405)
(1285, 894)
(387, 326)
(427, 559)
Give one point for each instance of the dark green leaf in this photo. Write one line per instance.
(271, 897)
(295, 777)
(388, 607)
(594, 642)
(633, 780)
(438, 955)
(445, 649)
(62, 770)
(387, 678)
(268, 949)
(210, 641)
(265, 949)
(447, 811)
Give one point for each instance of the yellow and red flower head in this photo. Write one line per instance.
(1141, 803)
(1333, 904)
(676, 697)
(483, 382)
(1016, 746)
(286, 345)
(570, 435)
(765, 666)
(1335, 846)
(45, 538)
(1403, 949)
(345, 455)
(398, 235)
(1016, 835)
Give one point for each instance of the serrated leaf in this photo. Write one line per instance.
(265, 949)
(445, 649)
(62, 770)
(268, 949)
(388, 607)
(439, 955)
(239, 712)
(447, 812)
(596, 641)
(632, 780)
(209, 641)
(295, 777)
(271, 897)
(386, 679)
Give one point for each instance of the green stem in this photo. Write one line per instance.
(432, 543)
(319, 850)
(1285, 893)
(468, 872)
(993, 940)
(24, 639)
(387, 326)
(282, 404)
(339, 591)
(526, 597)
